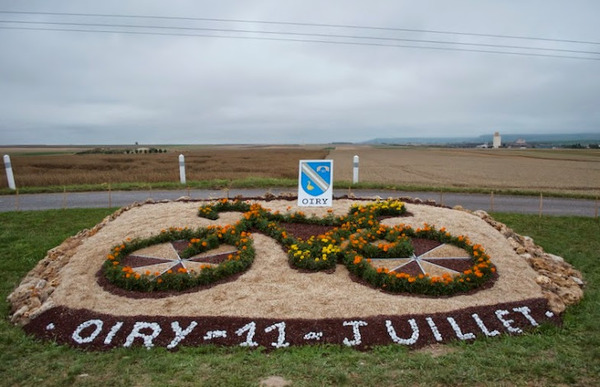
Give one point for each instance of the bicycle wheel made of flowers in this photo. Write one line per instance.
(424, 261)
(179, 259)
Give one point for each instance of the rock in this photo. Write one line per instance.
(555, 258)
(526, 256)
(34, 303)
(183, 199)
(543, 280)
(483, 215)
(514, 243)
(18, 315)
(458, 208)
(41, 284)
(555, 303)
(537, 252)
(45, 293)
(577, 280)
(571, 295)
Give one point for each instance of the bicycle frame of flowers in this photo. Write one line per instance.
(350, 241)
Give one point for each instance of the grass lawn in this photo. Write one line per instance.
(552, 355)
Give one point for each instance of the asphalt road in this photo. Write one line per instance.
(500, 203)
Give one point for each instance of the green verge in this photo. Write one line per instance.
(268, 183)
(550, 356)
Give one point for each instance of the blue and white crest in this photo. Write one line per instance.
(315, 177)
(315, 183)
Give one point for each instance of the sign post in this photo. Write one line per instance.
(315, 183)
(182, 169)
(9, 173)
(355, 169)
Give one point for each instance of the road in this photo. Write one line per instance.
(499, 203)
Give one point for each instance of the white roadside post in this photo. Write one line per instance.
(355, 170)
(182, 169)
(9, 173)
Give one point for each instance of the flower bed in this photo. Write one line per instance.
(357, 238)
(172, 274)
(354, 240)
(361, 252)
(270, 305)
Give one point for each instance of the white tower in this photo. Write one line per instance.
(497, 140)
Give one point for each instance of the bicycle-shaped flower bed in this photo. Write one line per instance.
(396, 259)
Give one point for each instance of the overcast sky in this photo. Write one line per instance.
(61, 87)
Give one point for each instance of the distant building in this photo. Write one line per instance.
(497, 141)
(521, 144)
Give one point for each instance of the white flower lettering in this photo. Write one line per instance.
(148, 338)
(411, 340)
(77, 333)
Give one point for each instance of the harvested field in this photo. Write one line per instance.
(201, 164)
(557, 170)
(535, 170)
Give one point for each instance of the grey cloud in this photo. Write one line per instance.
(68, 87)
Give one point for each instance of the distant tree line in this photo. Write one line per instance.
(580, 146)
(146, 150)
(114, 151)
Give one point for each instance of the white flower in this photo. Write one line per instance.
(113, 332)
(313, 336)
(215, 335)
(77, 333)
(457, 330)
(482, 326)
(281, 343)
(180, 334)
(251, 329)
(356, 331)
(148, 338)
(410, 341)
(500, 313)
